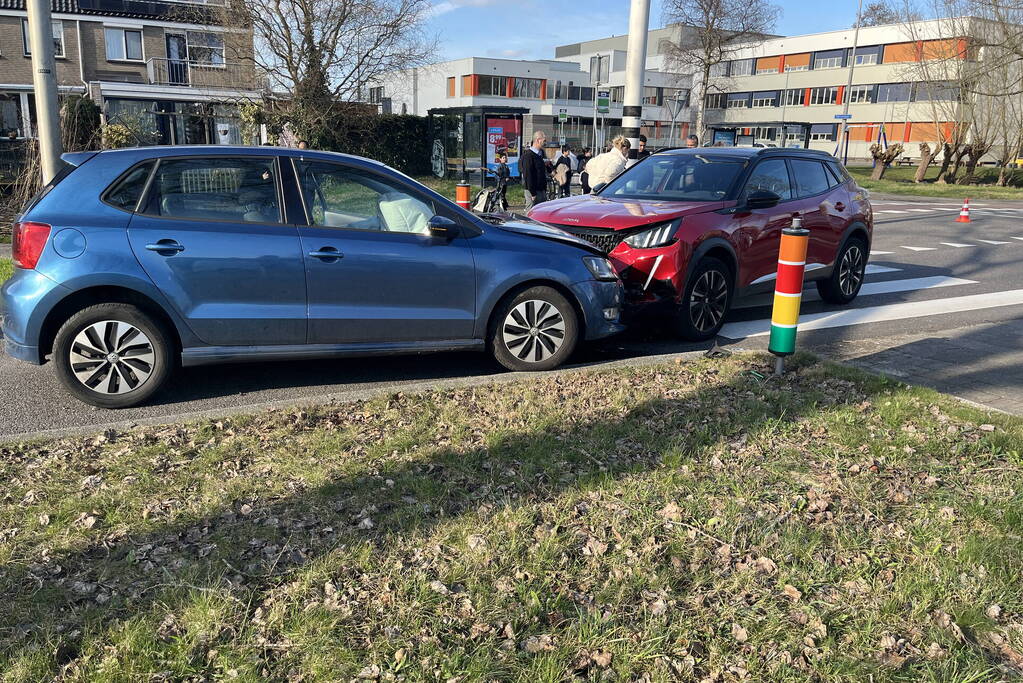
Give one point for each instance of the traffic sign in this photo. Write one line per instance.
(603, 101)
(562, 115)
(843, 116)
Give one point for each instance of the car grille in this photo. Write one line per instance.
(602, 238)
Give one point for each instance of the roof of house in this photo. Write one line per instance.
(136, 9)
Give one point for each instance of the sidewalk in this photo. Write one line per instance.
(983, 364)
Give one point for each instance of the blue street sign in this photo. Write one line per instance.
(843, 116)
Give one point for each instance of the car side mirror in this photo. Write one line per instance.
(762, 199)
(598, 187)
(442, 226)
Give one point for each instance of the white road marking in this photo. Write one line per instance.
(889, 312)
(957, 245)
(991, 241)
(869, 289)
(890, 211)
(885, 253)
(920, 248)
(922, 210)
(873, 270)
(1015, 238)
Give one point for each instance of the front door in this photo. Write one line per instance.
(818, 201)
(759, 230)
(177, 59)
(211, 237)
(374, 272)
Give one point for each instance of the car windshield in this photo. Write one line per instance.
(679, 177)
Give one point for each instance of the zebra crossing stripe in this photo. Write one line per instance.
(957, 245)
(991, 241)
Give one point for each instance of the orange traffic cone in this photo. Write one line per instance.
(964, 213)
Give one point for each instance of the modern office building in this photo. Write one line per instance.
(167, 63)
(792, 90)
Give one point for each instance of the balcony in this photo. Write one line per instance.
(201, 75)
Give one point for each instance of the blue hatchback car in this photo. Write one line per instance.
(132, 262)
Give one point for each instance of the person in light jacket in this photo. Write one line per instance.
(603, 167)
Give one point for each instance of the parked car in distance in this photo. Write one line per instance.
(690, 229)
(132, 262)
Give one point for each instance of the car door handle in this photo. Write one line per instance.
(840, 206)
(327, 254)
(165, 247)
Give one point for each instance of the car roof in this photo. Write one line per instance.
(156, 151)
(747, 152)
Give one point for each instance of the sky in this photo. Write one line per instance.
(529, 29)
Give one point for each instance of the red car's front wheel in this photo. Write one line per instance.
(705, 301)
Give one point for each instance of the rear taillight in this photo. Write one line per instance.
(28, 242)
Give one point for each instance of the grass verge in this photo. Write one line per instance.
(899, 180)
(6, 268)
(669, 523)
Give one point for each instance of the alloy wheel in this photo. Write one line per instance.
(708, 301)
(534, 331)
(112, 357)
(850, 270)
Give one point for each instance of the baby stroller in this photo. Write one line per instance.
(492, 199)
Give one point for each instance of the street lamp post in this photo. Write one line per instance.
(44, 83)
(848, 87)
(635, 68)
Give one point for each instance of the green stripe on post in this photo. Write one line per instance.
(783, 341)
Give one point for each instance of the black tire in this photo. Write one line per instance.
(846, 277)
(536, 329)
(706, 300)
(124, 355)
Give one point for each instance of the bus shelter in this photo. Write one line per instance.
(467, 139)
(761, 134)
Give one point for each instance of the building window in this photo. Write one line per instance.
(738, 101)
(767, 65)
(824, 95)
(58, 37)
(866, 59)
(451, 86)
(741, 67)
(123, 44)
(937, 90)
(681, 96)
(494, 86)
(765, 99)
(761, 133)
(652, 96)
(528, 88)
(11, 123)
(205, 48)
(861, 94)
(376, 95)
(827, 62)
(796, 67)
(796, 97)
(618, 94)
(716, 100)
(894, 92)
(719, 70)
(822, 131)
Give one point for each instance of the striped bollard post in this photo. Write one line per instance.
(462, 195)
(788, 292)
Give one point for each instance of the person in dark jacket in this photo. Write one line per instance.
(533, 168)
(584, 178)
(564, 177)
(503, 173)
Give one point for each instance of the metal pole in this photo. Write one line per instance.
(44, 83)
(635, 68)
(596, 87)
(848, 85)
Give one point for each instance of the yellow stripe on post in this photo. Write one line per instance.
(786, 309)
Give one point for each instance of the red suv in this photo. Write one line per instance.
(690, 229)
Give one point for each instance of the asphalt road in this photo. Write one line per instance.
(928, 274)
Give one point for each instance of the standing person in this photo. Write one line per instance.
(603, 167)
(642, 152)
(302, 144)
(584, 176)
(533, 167)
(563, 172)
(503, 173)
(692, 141)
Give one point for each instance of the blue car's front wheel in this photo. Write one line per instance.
(537, 329)
(112, 355)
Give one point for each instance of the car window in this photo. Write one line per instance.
(344, 197)
(838, 170)
(833, 181)
(126, 192)
(810, 176)
(770, 175)
(678, 177)
(242, 189)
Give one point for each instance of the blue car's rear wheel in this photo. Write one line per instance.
(112, 355)
(537, 329)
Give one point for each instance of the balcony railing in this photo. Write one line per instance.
(202, 75)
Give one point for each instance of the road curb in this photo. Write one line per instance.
(340, 398)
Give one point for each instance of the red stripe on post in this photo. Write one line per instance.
(790, 279)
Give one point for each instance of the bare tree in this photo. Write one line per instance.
(883, 158)
(711, 33)
(925, 160)
(879, 13)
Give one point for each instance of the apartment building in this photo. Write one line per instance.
(165, 64)
(792, 90)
